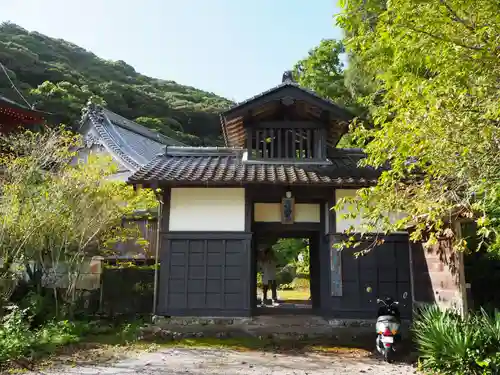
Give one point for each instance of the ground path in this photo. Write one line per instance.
(173, 361)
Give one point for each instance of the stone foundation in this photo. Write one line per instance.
(282, 327)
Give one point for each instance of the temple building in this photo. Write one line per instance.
(129, 144)
(279, 176)
(14, 116)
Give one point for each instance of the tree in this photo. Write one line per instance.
(64, 100)
(435, 111)
(58, 210)
(323, 72)
(31, 59)
(288, 249)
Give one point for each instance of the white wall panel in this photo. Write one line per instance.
(270, 212)
(345, 223)
(207, 209)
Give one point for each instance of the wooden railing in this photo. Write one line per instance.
(291, 143)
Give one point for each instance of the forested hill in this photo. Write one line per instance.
(60, 77)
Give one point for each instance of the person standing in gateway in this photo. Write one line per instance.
(268, 265)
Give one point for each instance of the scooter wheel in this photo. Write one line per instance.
(388, 355)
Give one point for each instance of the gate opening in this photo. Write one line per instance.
(286, 274)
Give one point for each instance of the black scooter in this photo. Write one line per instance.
(388, 328)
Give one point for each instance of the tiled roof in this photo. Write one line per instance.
(31, 112)
(225, 166)
(293, 85)
(310, 105)
(132, 144)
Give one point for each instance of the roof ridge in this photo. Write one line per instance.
(202, 151)
(224, 169)
(286, 83)
(138, 128)
(96, 118)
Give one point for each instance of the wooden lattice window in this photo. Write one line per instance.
(286, 142)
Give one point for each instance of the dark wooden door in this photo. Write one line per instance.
(383, 272)
(205, 274)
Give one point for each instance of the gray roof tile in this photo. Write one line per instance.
(134, 145)
(224, 166)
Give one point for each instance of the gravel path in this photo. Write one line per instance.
(218, 362)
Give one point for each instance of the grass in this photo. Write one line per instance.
(299, 294)
(294, 294)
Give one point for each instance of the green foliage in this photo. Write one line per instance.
(435, 108)
(323, 72)
(303, 264)
(301, 282)
(60, 78)
(286, 274)
(287, 286)
(451, 344)
(259, 279)
(18, 340)
(131, 265)
(288, 249)
(15, 336)
(55, 212)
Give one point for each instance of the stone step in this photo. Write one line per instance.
(283, 326)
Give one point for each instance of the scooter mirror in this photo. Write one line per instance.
(379, 300)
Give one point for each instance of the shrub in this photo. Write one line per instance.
(15, 336)
(301, 282)
(259, 280)
(286, 274)
(18, 340)
(451, 344)
(285, 287)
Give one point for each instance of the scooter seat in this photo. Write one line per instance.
(387, 319)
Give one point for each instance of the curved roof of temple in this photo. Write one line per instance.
(131, 144)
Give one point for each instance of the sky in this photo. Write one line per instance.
(234, 48)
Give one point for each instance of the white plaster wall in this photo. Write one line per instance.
(343, 224)
(270, 212)
(207, 209)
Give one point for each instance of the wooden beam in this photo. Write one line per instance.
(280, 143)
(288, 124)
(309, 146)
(287, 144)
(301, 148)
(264, 144)
(271, 135)
(276, 95)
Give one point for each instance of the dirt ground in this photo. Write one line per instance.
(217, 362)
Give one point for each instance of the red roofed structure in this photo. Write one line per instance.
(14, 115)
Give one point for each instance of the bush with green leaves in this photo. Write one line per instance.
(15, 336)
(301, 282)
(19, 340)
(286, 274)
(285, 287)
(451, 344)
